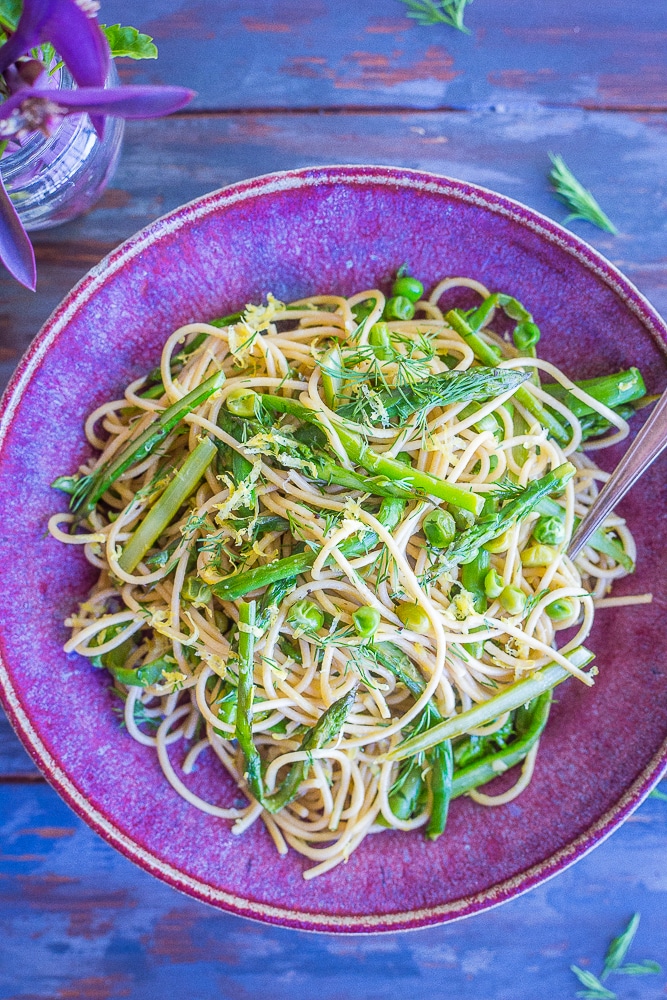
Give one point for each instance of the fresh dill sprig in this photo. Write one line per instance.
(448, 12)
(506, 490)
(577, 197)
(613, 962)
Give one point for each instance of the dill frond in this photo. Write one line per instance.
(577, 198)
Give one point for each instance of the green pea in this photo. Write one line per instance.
(242, 402)
(366, 621)
(380, 341)
(549, 530)
(493, 584)
(399, 307)
(513, 600)
(538, 555)
(405, 457)
(497, 544)
(408, 288)
(439, 528)
(195, 591)
(560, 609)
(525, 336)
(305, 616)
(413, 617)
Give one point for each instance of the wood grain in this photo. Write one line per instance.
(88, 925)
(285, 83)
(620, 157)
(325, 53)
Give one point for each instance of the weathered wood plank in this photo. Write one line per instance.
(15, 764)
(89, 925)
(321, 53)
(166, 163)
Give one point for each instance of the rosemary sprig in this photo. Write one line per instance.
(448, 12)
(577, 197)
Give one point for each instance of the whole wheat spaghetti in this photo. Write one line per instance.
(331, 538)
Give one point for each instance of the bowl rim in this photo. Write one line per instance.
(28, 367)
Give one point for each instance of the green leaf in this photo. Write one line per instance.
(577, 197)
(595, 990)
(645, 968)
(10, 12)
(127, 41)
(619, 947)
(657, 794)
(448, 12)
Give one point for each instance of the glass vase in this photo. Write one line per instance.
(53, 178)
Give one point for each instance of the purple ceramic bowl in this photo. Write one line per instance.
(327, 229)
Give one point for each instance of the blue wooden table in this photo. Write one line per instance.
(282, 84)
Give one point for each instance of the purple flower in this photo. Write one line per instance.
(71, 27)
(73, 31)
(34, 109)
(16, 251)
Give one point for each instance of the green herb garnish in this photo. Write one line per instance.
(595, 990)
(439, 12)
(577, 197)
(613, 962)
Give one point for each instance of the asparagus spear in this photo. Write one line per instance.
(326, 729)
(402, 667)
(439, 780)
(475, 384)
(233, 587)
(89, 489)
(185, 481)
(381, 465)
(529, 724)
(611, 390)
(381, 486)
(470, 540)
(406, 791)
(273, 596)
(506, 701)
(473, 575)
(245, 692)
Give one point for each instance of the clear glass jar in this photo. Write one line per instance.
(53, 178)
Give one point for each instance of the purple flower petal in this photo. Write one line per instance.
(77, 38)
(16, 251)
(33, 109)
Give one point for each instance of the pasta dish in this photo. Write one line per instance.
(332, 549)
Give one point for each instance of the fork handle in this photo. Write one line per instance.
(646, 447)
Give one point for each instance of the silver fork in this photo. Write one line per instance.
(651, 440)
